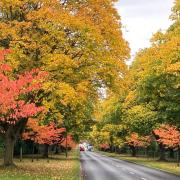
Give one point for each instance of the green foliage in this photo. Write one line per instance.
(151, 95)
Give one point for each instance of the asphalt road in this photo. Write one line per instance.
(100, 167)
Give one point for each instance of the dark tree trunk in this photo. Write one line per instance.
(37, 157)
(178, 156)
(33, 153)
(162, 152)
(46, 151)
(171, 154)
(11, 135)
(9, 149)
(133, 151)
(161, 148)
(21, 152)
(57, 149)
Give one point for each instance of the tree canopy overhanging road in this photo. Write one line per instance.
(64, 80)
(99, 167)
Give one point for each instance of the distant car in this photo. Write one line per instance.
(82, 148)
(90, 148)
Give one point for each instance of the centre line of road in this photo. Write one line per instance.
(143, 179)
(131, 173)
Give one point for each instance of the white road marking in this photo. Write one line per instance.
(143, 179)
(131, 173)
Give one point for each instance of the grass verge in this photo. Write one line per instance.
(153, 163)
(57, 168)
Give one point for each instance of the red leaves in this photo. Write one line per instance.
(44, 134)
(4, 52)
(50, 134)
(70, 142)
(168, 135)
(47, 134)
(5, 67)
(133, 140)
(138, 141)
(12, 106)
(104, 147)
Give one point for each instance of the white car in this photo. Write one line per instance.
(90, 147)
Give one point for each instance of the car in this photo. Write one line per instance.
(82, 148)
(90, 148)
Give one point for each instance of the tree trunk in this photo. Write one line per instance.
(56, 149)
(9, 148)
(178, 156)
(33, 153)
(21, 152)
(66, 146)
(133, 151)
(46, 150)
(37, 157)
(161, 148)
(162, 152)
(11, 135)
(171, 154)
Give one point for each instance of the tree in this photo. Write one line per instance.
(140, 119)
(17, 103)
(134, 141)
(167, 136)
(108, 116)
(153, 94)
(72, 40)
(115, 140)
(44, 134)
(68, 142)
(98, 137)
(104, 147)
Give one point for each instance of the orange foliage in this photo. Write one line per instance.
(47, 134)
(13, 107)
(70, 142)
(104, 147)
(168, 135)
(138, 141)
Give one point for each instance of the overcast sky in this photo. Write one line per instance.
(142, 18)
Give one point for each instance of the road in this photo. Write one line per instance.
(100, 167)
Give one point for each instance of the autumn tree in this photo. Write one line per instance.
(153, 95)
(68, 142)
(44, 134)
(104, 147)
(17, 103)
(73, 41)
(134, 141)
(97, 137)
(167, 136)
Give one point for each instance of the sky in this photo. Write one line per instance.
(142, 18)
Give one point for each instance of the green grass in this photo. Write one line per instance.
(166, 166)
(58, 168)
